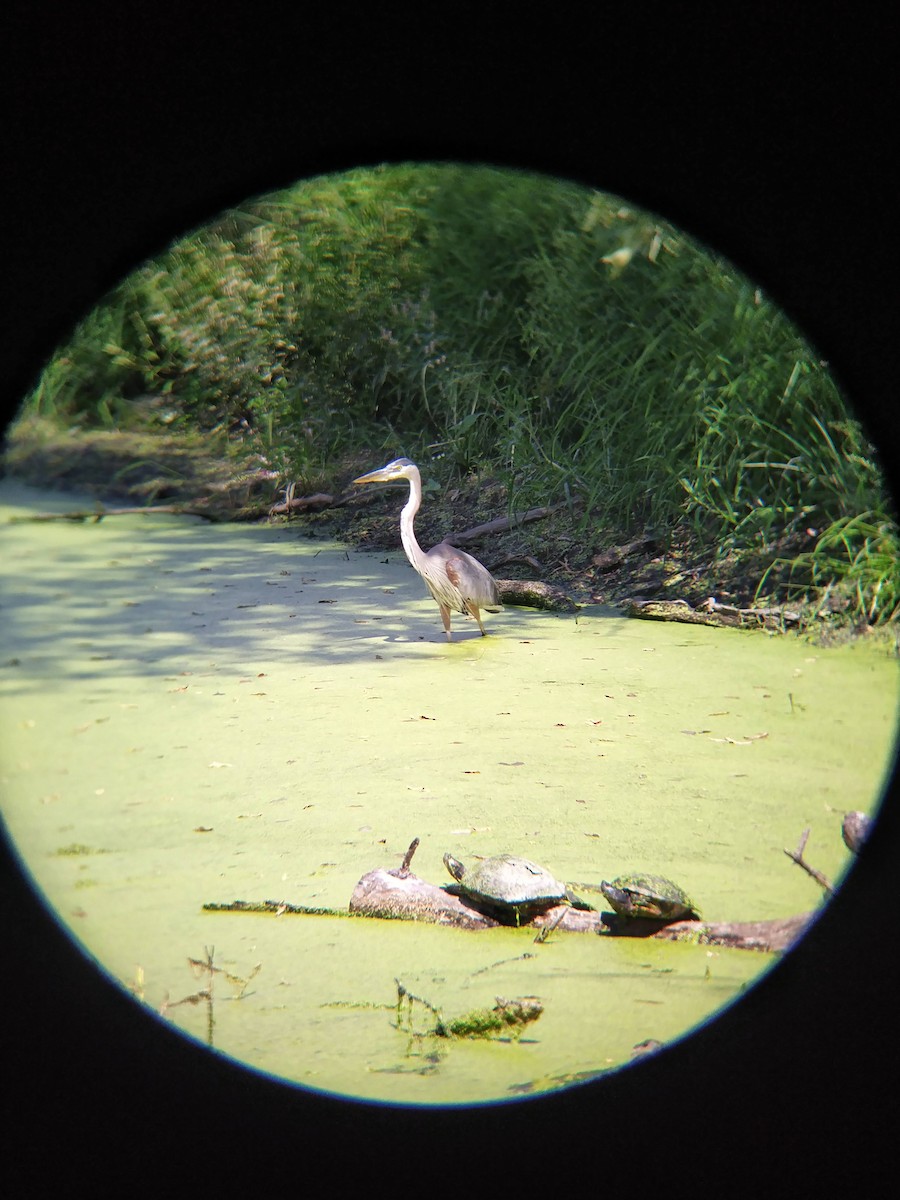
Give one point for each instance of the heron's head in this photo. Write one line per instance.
(400, 468)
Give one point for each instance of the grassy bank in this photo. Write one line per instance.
(499, 326)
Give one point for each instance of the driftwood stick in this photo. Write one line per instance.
(403, 870)
(502, 524)
(797, 857)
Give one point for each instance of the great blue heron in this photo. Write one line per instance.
(455, 579)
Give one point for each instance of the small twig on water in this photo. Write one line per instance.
(403, 993)
(194, 998)
(206, 967)
(797, 857)
(210, 1018)
(548, 929)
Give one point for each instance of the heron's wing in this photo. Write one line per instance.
(472, 581)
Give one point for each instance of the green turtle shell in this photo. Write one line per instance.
(509, 879)
(651, 896)
(508, 885)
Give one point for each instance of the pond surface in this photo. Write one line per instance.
(196, 714)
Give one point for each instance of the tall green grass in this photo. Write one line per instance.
(505, 322)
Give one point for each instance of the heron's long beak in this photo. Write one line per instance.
(375, 477)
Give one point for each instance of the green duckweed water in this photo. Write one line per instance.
(197, 714)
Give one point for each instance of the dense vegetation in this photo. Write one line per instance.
(498, 321)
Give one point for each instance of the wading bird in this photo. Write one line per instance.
(455, 579)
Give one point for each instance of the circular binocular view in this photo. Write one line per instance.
(449, 643)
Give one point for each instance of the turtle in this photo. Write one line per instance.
(649, 896)
(855, 829)
(510, 888)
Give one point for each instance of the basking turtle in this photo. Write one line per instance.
(510, 888)
(855, 829)
(652, 896)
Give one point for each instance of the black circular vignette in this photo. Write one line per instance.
(761, 133)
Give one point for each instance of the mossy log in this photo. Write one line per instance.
(711, 612)
(506, 1017)
(399, 895)
(275, 908)
(534, 594)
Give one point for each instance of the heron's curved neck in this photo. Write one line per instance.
(407, 517)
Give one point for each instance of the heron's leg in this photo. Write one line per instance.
(445, 617)
(477, 615)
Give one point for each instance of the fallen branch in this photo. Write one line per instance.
(503, 524)
(710, 612)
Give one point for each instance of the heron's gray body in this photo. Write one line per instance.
(455, 579)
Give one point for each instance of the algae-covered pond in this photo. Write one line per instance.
(196, 714)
